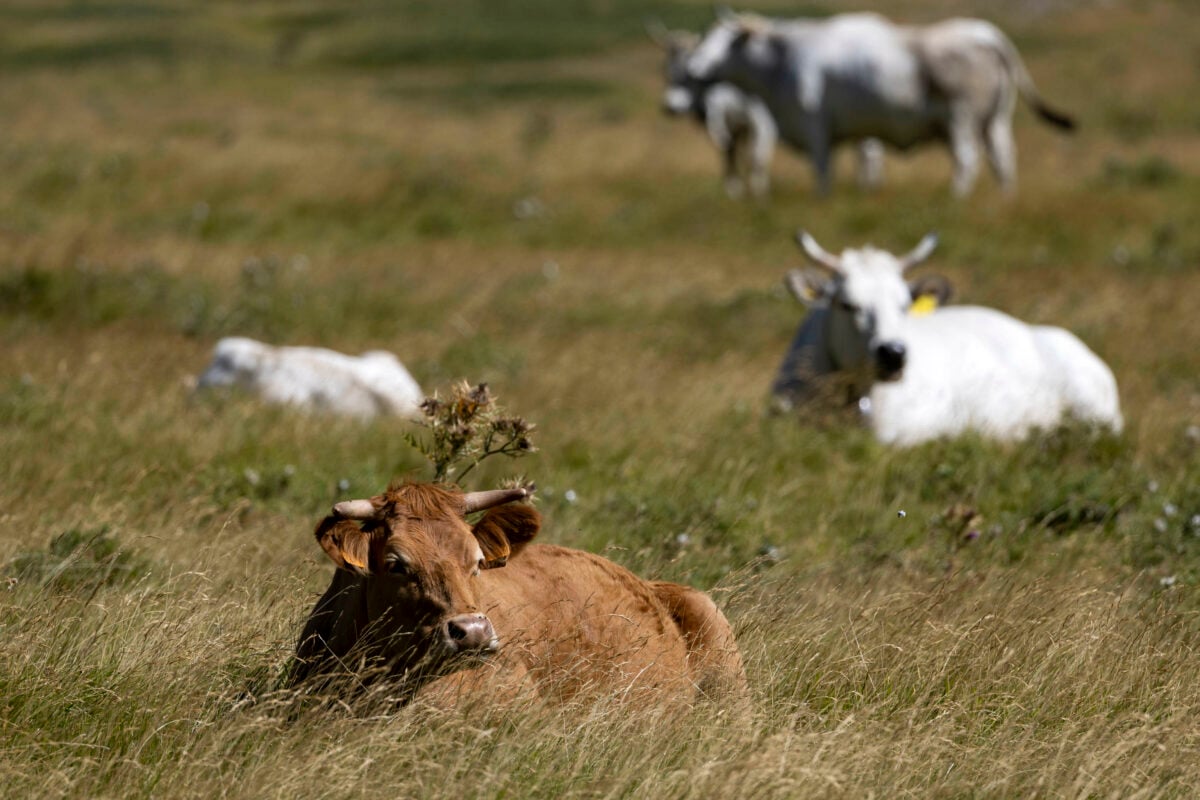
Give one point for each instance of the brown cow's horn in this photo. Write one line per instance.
(355, 509)
(478, 501)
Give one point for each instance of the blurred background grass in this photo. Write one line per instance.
(490, 191)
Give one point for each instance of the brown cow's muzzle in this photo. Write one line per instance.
(470, 634)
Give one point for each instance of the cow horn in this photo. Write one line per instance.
(919, 253)
(818, 255)
(355, 509)
(478, 501)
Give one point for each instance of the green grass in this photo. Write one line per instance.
(490, 191)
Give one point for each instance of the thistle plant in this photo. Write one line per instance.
(466, 428)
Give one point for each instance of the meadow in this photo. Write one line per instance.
(491, 191)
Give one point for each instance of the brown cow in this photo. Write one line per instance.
(435, 604)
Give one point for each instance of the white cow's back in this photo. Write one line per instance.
(860, 74)
(390, 380)
(1088, 387)
(973, 368)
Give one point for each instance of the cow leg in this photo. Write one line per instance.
(965, 150)
(751, 172)
(760, 181)
(819, 147)
(726, 143)
(713, 656)
(762, 148)
(819, 152)
(734, 186)
(1002, 151)
(870, 164)
(757, 178)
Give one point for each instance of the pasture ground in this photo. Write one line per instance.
(489, 190)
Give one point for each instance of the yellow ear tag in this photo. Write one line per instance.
(925, 304)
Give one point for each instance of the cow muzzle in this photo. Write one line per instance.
(890, 358)
(677, 100)
(470, 634)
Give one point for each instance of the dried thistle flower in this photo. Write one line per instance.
(467, 428)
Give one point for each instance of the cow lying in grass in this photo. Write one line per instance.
(436, 605)
(957, 369)
(314, 378)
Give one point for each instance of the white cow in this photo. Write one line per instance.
(960, 368)
(739, 124)
(314, 378)
(859, 75)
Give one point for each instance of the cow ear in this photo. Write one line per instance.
(936, 288)
(503, 531)
(346, 543)
(810, 288)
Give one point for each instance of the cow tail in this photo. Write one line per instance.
(1056, 118)
(1016, 68)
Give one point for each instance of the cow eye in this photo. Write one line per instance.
(399, 566)
(848, 307)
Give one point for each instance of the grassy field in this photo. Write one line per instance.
(490, 191)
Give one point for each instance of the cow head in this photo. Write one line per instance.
(868, 303)
(420, 559)
(235, 362)
(730, 45)
(683, 93)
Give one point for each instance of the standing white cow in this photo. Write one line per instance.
(957, 369)
(859, 75)
(314, 378)
(739, 124)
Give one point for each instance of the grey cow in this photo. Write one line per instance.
(859, 75)
(739, 124)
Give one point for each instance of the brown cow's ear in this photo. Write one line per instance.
(504, 531)
(346, 543)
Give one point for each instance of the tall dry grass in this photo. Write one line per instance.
(987, 684)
